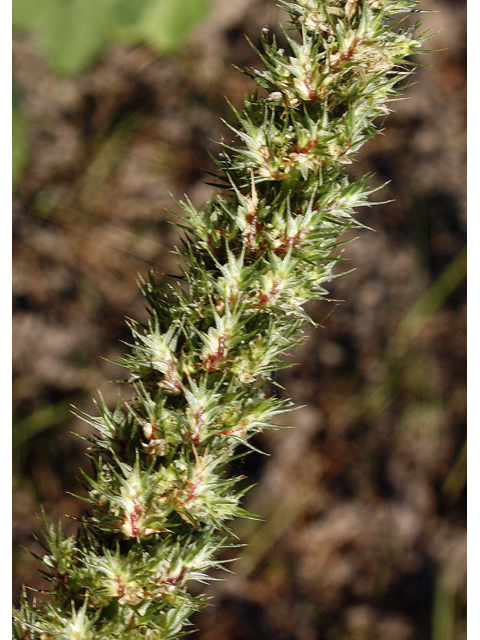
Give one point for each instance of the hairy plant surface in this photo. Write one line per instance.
(159, 499)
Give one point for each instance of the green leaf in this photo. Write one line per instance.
(128, 12)
(70, 33)
(24, 13)
(165, 24)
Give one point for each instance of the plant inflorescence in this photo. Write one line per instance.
(159, 500)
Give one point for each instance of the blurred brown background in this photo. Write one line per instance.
(364, 502)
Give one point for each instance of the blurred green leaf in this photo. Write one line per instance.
(19, 143)
(456, 480)
(443, 622)
(127, 13)
(71, 34)
(24, 13)
(164, 24)
(42, 419)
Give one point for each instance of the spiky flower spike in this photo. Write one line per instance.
(159, 500)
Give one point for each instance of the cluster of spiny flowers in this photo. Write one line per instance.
(159, 499)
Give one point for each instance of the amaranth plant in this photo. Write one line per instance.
(159, 501)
